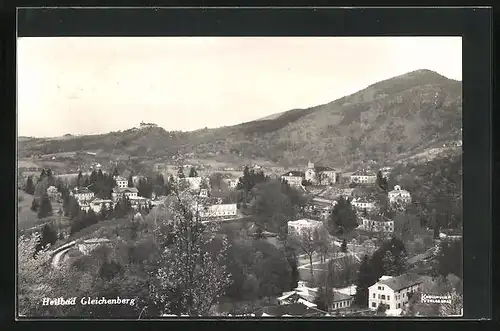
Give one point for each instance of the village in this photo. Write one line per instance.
(374, 205)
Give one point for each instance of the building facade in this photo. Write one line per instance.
(82, 194)
(97, 205)
(378, 224)
(399, 196)
(299, 226)
(294, 178)
(119, 193)
(363, 177)
(318, 175)
(229, 210)
(121, 182)
(394, 292)
(363, 204)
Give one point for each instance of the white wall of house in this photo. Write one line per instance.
(380, 293)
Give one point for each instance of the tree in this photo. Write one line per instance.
(381, 309)
(364, 280)
(34, 205)
(130, 181)
(449, 258)
(180, 172)
(115, 172)
(48, 237)
(193, 172)
(35, 275)
(382, 181)
(79, 180)
(190, 279)
(45, 208)
(259, 233)
(30, 187)
(323, 244)
(306, 243)
(455, 307)
(321, 299)
(343, 247)
(393, 263)
(343, 218)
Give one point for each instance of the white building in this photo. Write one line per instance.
(299, 226)
(294, 178)
(386, 171)
(377, 224)
(363, 177)
(97, 204)
(138, 202)
(229, 210)
(319, 175)
(399, 196)
(82, 194)
(363, 203)
(121, 182)
(129, 192)
(393, 291)
(231, 183)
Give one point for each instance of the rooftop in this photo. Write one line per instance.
(294, 173)
(401, 282)
(120, 178)
(339, 296)
(363, 173)
(294, 309)
(124, 190)
(304, 221)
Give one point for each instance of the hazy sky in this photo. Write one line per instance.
(101, 84)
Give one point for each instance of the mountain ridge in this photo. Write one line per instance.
(404, 113)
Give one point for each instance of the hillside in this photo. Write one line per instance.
(391, 119)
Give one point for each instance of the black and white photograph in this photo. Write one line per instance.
(239, 177)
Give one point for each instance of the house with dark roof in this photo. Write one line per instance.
(320, 175)
(293, 177)
(82, 194)
(394, 292)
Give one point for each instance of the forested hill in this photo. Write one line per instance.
(394, 118)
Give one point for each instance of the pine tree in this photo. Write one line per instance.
(100, 176)
(34, 205)
(45, 208)
(30, 186)
(115, 172)
(343, 218)
(130, 181)
(321, 299)
(48, 237)
(43, 174)
(365, 279)
(193, 172)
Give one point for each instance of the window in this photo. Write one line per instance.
(374, 295)
(374, 304)
(399, 305)
(388, 298)
(379, 296)
(383, 297)
(379, 287)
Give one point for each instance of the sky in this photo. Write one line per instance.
(90, 85)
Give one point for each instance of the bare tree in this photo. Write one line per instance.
(306, 242)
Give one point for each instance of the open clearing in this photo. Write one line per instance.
(26, 218)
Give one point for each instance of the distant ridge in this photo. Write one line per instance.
(389, 120)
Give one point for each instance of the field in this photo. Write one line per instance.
(26, 218)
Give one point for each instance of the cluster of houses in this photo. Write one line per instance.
(88, 201)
